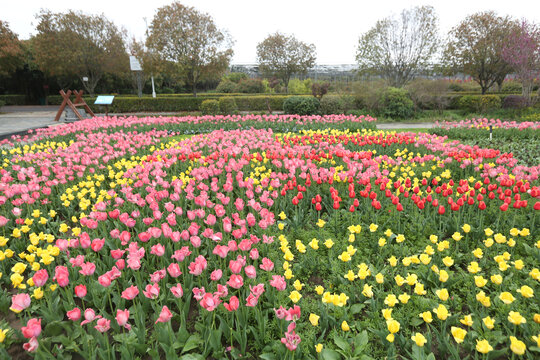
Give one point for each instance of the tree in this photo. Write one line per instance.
(11, 50)
(397, 49)
(521, 50)
(282, 56)
(475, 47)
(190, 39)
(78, 44)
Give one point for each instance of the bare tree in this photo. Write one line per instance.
(190, 39)
(75, 43)
(475, 48)
(282, 56)
(397, 49)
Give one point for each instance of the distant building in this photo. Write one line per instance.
(343, 72)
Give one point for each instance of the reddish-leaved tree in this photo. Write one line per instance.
(522, 51)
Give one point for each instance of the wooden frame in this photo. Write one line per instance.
(79, 101)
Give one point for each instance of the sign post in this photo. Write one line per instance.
(104, 100)
(136, 67)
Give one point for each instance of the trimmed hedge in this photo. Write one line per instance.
(13, 99)
(129, 104)
(301, 105)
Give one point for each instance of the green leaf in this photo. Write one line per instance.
(430, 357)
(328, 354)
(215, 339)
(416, 321)
(192, 357)
(342, 344)
(360, 342)
(357, 308)
(192, 342)
(267, 356)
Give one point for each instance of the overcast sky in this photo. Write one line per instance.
(333, 26)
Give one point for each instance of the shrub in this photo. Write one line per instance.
(511, 87)
(319, 89)
(251, 86)
(514, 102)
(396, 104)
(299, 87)
(227, 86)
(235, 77)
(2, 104)
(332, 104)
(227, 105)
(429, 94)
(13, 99)
(368, 93)
(479, 103)
(301, 105)
(210, 107)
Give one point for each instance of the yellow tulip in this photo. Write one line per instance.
(515, 318)
(517, 346)
(318, 347)
(314, 319)
(426, 316)
(345, 326)
(458, 334)
(483, 346)
(295, 296)
(419, 339)
(526, 291)
(489, 322)
(442, 312)
(507, 297)
(393, 326)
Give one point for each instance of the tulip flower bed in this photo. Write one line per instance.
(480, 128)
(117, 241)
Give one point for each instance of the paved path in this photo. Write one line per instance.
(18, 119)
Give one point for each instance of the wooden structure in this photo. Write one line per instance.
(79, 102)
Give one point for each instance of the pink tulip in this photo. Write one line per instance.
(130, 293)
(235, 281)
(80, 291)
(250, 271)
(151, 291)
(281, 312)
(210, 301)
(165, 315)
(3, 221)
(20, 302)
(61, 275)
(267, 264)
(74, 314)
(251, 300)
(40, 278)
(103, 325)
(32, 328)
(31, 346)
(174, 270)
(122, 317)
(216, 275)
(177, 290)
(104, 280)
(89, 316)
(87, 269)
(158, 250)
(278, 282)
(97, 244)
(233, 304)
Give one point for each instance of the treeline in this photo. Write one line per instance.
(185, 51)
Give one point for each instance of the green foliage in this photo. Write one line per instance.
(301, 105)
(13, 99)
(395, 103)
(227, 105)
(234, 77)
(332, 104)
(2, 103)
(512, 87)
(251, 86)
(227, 86)
(479, 103)
(300, 87)
(210, 107)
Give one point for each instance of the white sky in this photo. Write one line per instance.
(333, 26)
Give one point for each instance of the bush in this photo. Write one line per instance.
(368, 93)
(301, 105)
(2, 103)
(429, 94)
(511, 87)
(396, 104)
(332, 104)
(300, 87)
(251, 86)
(514, 102)
(13, 99)
(227, 105)
(479, 103)
(234, 77)
(210, 107)
(227, 86)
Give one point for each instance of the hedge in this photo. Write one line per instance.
(13, 99)
(129, 104)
